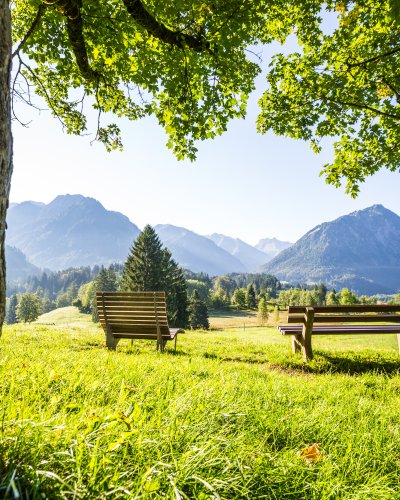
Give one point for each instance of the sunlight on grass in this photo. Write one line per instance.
(227, 416)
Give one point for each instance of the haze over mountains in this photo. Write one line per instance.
(360, 251)
(74, 230)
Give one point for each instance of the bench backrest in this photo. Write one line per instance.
(137, 314)
(370, 313)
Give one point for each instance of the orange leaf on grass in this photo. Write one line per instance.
(312, 453)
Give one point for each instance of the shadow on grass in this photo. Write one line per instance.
(346, 363)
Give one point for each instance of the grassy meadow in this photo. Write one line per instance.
(231, 415)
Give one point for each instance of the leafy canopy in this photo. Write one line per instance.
(188, 63)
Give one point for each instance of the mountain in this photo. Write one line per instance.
(71, 231)
(250, 257)
(18, 267)
(197, 253)
(360, 251)
(271, 247)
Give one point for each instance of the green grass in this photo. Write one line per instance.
(226, 416)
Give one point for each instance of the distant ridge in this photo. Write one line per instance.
(18, 267)
(197, 253)
(360, 251)
(249, 256)
(71, 231)
(272, 246)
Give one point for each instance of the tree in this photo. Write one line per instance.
(344, 85)
(143, 269)
(239, 298)
(251, 297)
(11, 316)
(28, 308)
(262, 310)
(150, 267)
(347, 297)
(202, 289)
(198, 312)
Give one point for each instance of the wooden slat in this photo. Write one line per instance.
(342, 329)
(134, 317)
(297, 318)
(353, 318)
(363, 308)
(140, 329)
(130, 303)
(128, 295)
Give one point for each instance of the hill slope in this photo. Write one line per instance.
(360, 250)
(70, 231)
(18, 267)
(271, 246)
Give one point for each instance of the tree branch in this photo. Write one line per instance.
(71, 9)
(361, 106)
(38, 17)
(140, 15)
(375, 58)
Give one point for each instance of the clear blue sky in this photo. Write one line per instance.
(243, 184)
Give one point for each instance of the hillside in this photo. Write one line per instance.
(71, 231)
(18, 267)
(360, 251)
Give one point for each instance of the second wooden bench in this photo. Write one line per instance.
(306, 321)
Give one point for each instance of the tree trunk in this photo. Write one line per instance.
(5, 142)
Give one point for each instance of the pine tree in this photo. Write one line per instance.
(11, 316)
(143, 270)
(198, 312)
(251, 297)
(151, 268)
(106, 281)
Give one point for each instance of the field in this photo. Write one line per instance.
(231, 415)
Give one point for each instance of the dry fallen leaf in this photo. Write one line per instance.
(312, 453)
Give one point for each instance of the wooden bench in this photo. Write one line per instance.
(135, 315)
(306, 321)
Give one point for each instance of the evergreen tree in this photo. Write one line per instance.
(11, 316)
(151, 268)
(251, 297)
(198, 312)
(143, 270)
(28, 308)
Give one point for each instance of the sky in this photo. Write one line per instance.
(243, 184)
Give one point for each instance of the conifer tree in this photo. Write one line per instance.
(11, 316)
(143, 270)
(198, 312)
(251, 297)
(151, 268)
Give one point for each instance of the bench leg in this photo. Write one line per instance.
(176, 338)
(296, 343)
(306, 335)
(111, 341)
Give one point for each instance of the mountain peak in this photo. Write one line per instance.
(360, 250)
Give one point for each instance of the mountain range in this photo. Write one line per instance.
(74, 230)
(360, 251)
